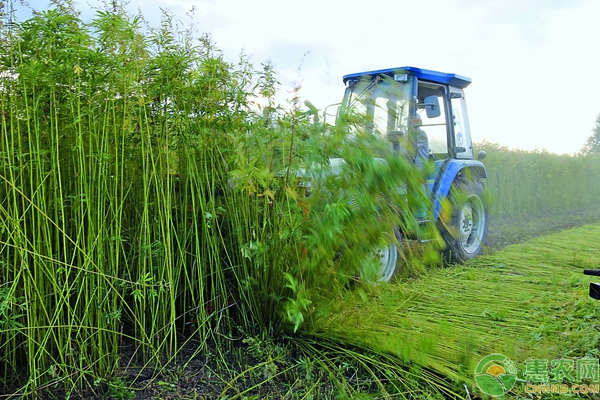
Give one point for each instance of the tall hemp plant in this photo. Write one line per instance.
(153, 196)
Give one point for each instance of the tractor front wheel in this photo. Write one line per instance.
(389, 258)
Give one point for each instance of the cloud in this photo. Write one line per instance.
(527, 17)
(295, 55)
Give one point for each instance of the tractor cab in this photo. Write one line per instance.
(392, 101)
(423, 114)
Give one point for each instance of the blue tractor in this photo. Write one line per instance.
(397, 100)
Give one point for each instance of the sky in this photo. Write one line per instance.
(535, 64)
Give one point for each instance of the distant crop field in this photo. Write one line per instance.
(537, 183)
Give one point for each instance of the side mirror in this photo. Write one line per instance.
(481, 155)
(431, 104)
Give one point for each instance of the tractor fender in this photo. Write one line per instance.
(448, 173)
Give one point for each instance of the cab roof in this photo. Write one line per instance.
(422, 74)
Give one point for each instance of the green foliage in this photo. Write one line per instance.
(119, 389)
(148, 187)
(111, 179)
(592, 145)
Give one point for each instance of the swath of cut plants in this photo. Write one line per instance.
(527, 301)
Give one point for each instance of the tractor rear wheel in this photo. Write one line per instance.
(468, 228)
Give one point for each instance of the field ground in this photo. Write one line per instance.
(527, 301)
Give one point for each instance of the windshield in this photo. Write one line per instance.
(381, 106)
